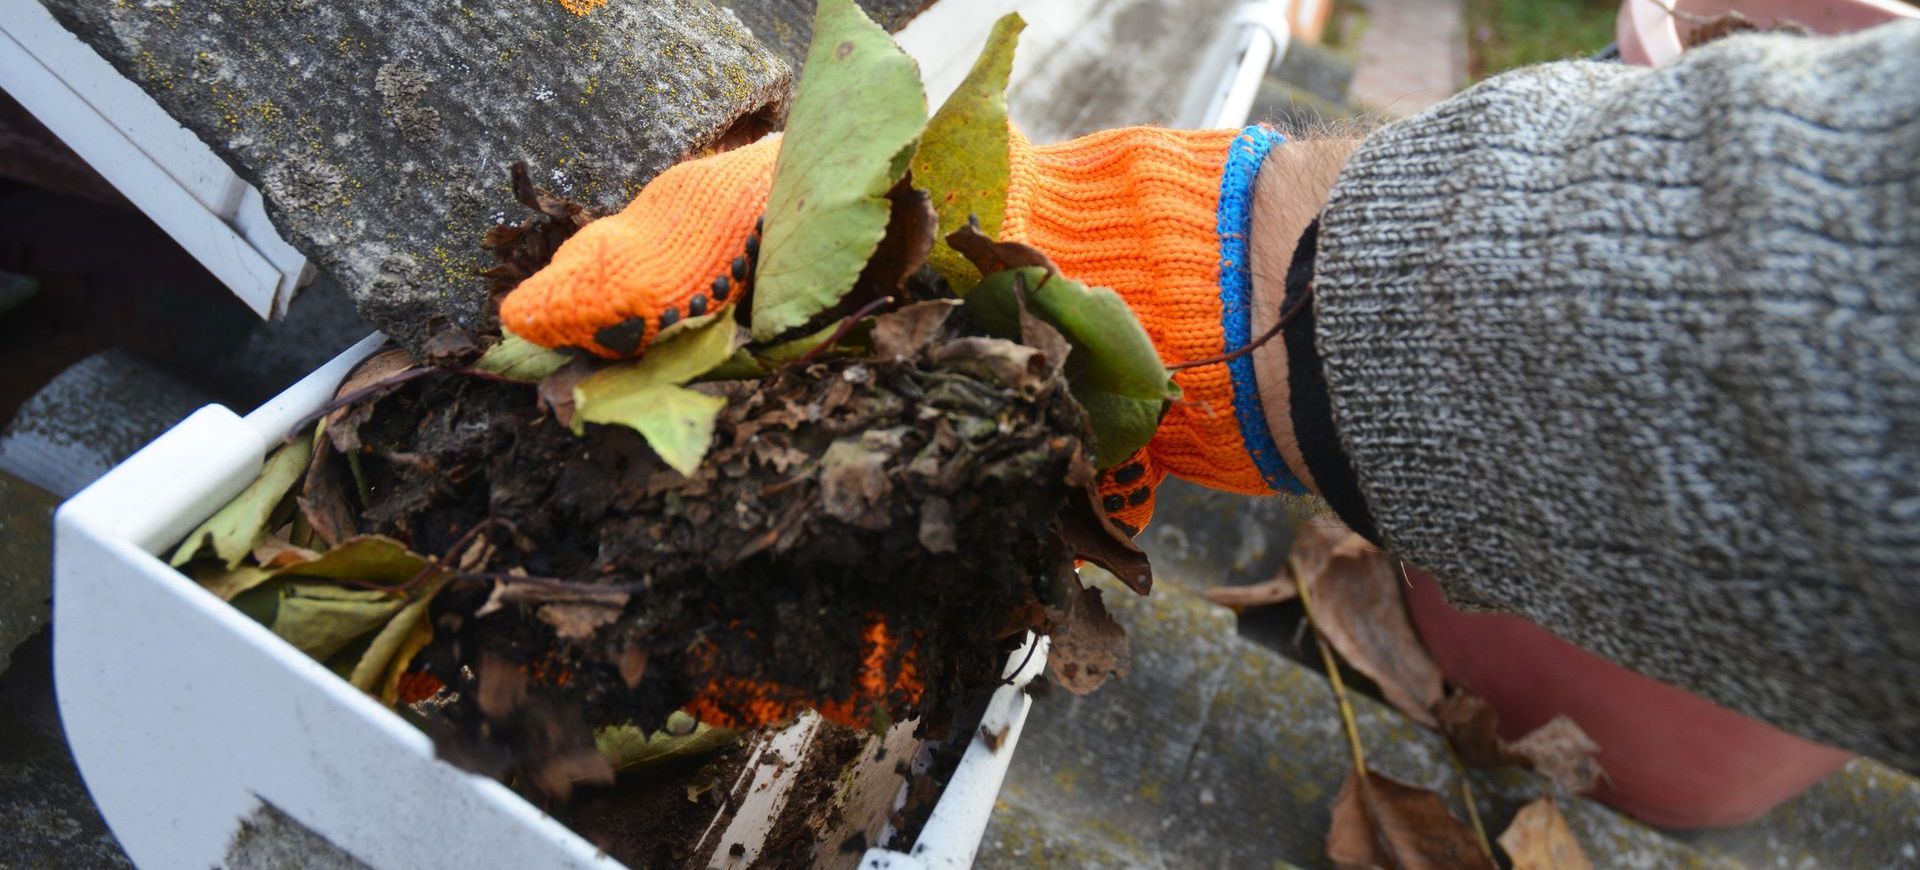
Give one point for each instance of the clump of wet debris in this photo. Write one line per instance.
(869, 534)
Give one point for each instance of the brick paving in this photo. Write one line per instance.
(1412, 54)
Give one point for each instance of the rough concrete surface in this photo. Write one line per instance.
(26, 563)
(1221, 750)
(89, 418)
(785, 26)
(272, 840)
(380, 133)
(47, 822)
(1218, 752)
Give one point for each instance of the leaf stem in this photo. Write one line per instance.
(354, 397)
(1286, 317)
(1333, 676)
(452, 552)
(1473, 811)
(846, 326)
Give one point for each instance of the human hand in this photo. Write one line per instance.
(1163, 217)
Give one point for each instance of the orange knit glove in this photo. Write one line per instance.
(687, 243)
(1160, 216)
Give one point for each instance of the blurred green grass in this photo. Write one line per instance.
(1503, 34)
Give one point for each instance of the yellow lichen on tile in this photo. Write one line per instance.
(582, 7)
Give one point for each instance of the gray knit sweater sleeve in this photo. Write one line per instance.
(1636, 354)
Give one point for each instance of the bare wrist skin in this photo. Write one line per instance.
(1289, 192)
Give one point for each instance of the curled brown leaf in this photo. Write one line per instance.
(1539, 839)
(1360, 608)
(1087, 646)
(991, 256)
(1379, 821)
(1084, 524)
(1558, 750)
(343, 425)
(903, 333)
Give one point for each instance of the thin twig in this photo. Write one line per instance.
(453, 552)
(354, 397)
(1333, 676)
(845, 327)
(1285, 318)
(1681, 15)
(1473, 811)
(548, 582)
(1032, 646)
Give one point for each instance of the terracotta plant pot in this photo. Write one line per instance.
(1672, 758)
(1649, 35)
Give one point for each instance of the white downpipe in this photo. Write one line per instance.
(1268, 34)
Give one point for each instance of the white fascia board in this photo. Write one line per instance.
(158, 165)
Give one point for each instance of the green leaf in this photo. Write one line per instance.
(382, 658)
(856, 340)
(647, 395)
(739, 367)
(233, 530)
(367, 558)
(228, 582)
(856, 114)
(627, 747)
(521, 360)
(1113, 371)
(1121, 424)
(319, 619)
(677, 422)
(692, 324)
(677, 358)
(963, 157)
(261, 603)
(416, 640)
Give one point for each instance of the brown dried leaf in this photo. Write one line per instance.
(1562, 753)
(578, 620)
(903, 333)
(1558, 750)
(1275, 591)
(1041, 336)
(853, 483)
(1539, 839)
(556, 390)
(537, 198)
(323, 497)
(521, 250)
(1087, 646)
(1359, 606)
(911, 225)
(1471, 725)
(1016, 366)
(449, 344)
(1313, 545)
(343, 425)
(273, 551)
(1381, 822)
(1084, 525)
(991, 256)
